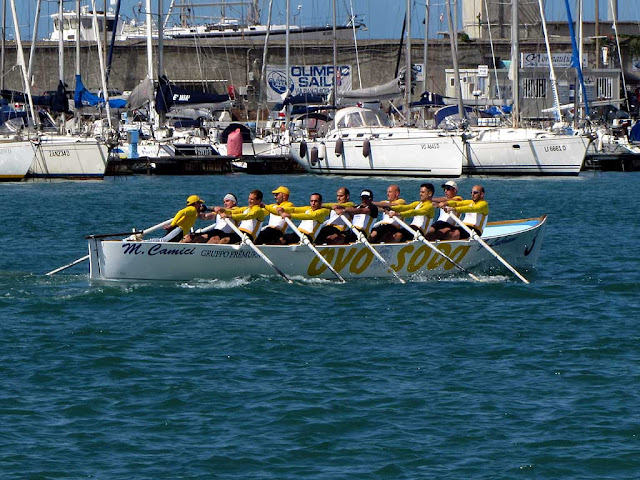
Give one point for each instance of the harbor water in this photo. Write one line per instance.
(256, 378)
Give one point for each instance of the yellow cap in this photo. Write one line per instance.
(281, 189)
(193, 199)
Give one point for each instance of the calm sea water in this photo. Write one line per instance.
(254, 378)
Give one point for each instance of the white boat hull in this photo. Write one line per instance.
(517, 241)
(69, 158)
(522, 152)
(15, 159)
(393, 151)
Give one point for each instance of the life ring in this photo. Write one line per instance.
(366, 148)
(303, 149)
(339, 147)
(313, 155)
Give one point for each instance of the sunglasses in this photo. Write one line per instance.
(473, 192)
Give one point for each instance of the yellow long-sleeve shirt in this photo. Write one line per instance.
(415, 209)
(185, 219)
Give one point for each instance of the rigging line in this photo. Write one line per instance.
(355, 42)
(615, 29)
(493, 53)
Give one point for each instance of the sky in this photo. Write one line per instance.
(383, 18)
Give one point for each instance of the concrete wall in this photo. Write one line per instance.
(240, 63)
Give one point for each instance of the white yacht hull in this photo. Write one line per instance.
(392, 151)
(15, 159)
(68, 157)
(524, 152)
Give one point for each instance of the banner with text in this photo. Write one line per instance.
(560, 60)
(306, 79)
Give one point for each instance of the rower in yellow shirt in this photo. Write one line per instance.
(183, 220)
(273, 232)
(421, 210)
(476, 212)
(249, 218)
(312, 217)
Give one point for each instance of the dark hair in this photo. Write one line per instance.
(257, 193)
(346, 191)
(428, 186)
(317, 195)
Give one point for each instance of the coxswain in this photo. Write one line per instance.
(311, 216)
(476, 212)
(273, 232)
(333, 228)
(421, 210)
(383, 230)
(248, 218)
(183, 220)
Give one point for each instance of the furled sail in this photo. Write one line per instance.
(169, 96)
(393, 89)
(84, 98)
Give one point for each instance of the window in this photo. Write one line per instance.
(534, 88)
(604, 88)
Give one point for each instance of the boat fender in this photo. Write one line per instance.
(313, 155)
(339, 146)
(366, 148)
(303, 149)
(322, 151)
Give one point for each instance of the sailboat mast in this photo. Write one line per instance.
(77, 107)
(335, 57)
(453, 37)
(552, 72)
(426, 47)
(287, 68)
(515, 63)
(263, 70)
(152, 116)
(33, 43)
(61, 42)
(77, 37)
(407, 76)
(21, 62)
(2, 42)
(160, 39)
(105, 92)
(578, 96)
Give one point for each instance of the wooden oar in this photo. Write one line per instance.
(363, 240)
(304, 239)
(247, 240)
(132, 236)
(419, 236)
(150, 229)
(75, 262)
(107, 235)
(475, 236)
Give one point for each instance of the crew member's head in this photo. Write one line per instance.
(255, 197)
(281, 194)
(450, 189)
(315, 200)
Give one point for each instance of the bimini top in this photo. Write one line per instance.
(351, 117)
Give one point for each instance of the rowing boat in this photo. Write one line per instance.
(518, 241)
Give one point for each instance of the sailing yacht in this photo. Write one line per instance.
(517, 150)
(361, 141)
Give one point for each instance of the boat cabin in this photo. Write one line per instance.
(353, 117)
